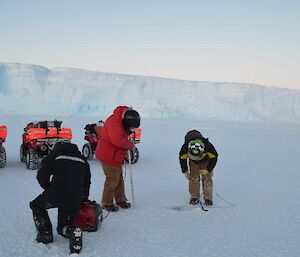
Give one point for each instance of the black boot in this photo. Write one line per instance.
(75, 240)
(208, 202)
(194, 201)
(43, 226)
(44, 237)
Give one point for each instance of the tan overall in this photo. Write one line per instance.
(194, 183)
(113, 185)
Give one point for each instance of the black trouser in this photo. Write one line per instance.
(39, 208)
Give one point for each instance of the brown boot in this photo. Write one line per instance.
(124, 205)
(111, 207)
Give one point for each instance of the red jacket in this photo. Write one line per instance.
(114, 143)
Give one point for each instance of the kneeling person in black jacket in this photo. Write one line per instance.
(65, 177)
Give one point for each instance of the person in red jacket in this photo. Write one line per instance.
(111, 151)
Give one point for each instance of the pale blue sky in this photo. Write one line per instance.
(247, 41)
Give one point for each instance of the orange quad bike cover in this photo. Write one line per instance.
(136, 136)
(41, 133)
(3, 132)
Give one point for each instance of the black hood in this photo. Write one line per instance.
(191, 135)
(65, 148)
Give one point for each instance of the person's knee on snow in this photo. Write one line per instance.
(64, 220)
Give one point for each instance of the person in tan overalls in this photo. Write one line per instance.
(111, 151)
(197, 158)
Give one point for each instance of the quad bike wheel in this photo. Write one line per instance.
(2, 157)
(32, 159)
(22, 153)
(134, 153)
(87, 151)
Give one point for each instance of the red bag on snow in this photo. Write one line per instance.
(90, 216)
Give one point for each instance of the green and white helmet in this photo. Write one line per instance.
(195, 149)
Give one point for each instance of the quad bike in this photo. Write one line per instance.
(92, 135)
(3, 134)
(135, 137)
(39, 139)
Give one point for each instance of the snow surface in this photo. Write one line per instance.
(31, 89)
(258, 171)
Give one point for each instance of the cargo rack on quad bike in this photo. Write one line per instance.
(46, 130)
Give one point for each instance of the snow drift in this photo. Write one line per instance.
(36, 90)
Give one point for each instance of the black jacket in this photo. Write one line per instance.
(65, 176)
(210, 152)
